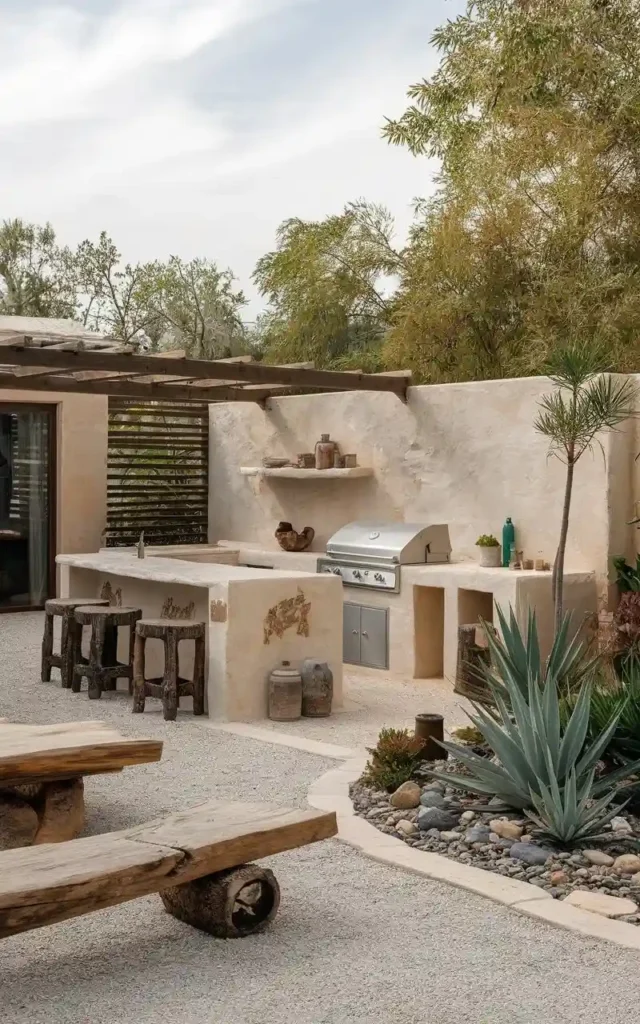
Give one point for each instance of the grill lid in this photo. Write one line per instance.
(391, 543)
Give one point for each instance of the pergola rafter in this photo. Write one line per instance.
(105, 367)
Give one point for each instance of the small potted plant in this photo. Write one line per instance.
(489, 551)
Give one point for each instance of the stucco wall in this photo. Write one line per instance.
(81, 484)
(462, 454)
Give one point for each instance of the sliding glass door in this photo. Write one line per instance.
(27, 442)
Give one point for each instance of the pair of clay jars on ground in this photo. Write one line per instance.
(293, 693)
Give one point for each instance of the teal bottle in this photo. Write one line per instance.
(508, 540)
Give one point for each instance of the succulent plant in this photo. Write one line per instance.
(393, 760)
(543, 767)
(487, 540)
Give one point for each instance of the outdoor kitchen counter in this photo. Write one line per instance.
(255, 618)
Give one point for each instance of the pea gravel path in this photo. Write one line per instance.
(354, 941)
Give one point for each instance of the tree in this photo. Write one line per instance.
(198, 307)
(115, 298)
(36, 274)
(533, 237)
(585, 402)
(326, 282)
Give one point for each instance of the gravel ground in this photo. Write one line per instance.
(373, 700)
(354, 941)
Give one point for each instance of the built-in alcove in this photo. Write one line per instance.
(428, 617)
(474, 606)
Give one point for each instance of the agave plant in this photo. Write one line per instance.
(609, 698)
(518, 658)
(543, 768)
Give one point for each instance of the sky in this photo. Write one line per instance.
(195, 127)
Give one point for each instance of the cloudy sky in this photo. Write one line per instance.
(194, 127)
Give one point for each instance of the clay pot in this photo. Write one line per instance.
(325, 450)
(285, 694)
(317, 688)
(490, 558)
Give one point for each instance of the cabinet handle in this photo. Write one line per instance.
(364, 633)
(355, 632)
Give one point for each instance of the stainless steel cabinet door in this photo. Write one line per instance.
(374, 644)
(351, 633)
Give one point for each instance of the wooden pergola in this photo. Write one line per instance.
(103, 366)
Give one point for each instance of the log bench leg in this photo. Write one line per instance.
(228, 904)
(47, 649)
(139, 689)
(96, 659)
(198, 677)
(170, 679)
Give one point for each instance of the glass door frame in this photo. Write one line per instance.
(50, 409)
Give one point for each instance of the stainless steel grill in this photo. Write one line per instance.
(370, 554)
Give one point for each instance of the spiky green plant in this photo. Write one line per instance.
(544, 768)
(393, 760)
(517, 658)
(622, 697)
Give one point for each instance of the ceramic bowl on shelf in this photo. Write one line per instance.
(275, 463)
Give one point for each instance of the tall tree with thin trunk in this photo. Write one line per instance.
(586, 401)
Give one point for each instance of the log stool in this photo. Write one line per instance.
(171, 687)
(64, 607)
(103, 668)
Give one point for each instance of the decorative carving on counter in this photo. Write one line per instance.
(218, 611)
(107, 593)
(174, 611)
(290, 540)
(292, 611)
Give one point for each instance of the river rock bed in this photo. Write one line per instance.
(438, 818)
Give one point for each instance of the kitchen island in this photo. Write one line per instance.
(255, 618)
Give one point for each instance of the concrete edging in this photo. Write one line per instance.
(331, 793)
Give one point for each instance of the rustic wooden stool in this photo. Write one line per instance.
(103, 668)
(65, 608)
(171, 687)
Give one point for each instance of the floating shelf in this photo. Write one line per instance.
(293, 473)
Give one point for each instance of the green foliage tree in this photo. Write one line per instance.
(197, 306)
(326, 284)
(585, 401)
(114, 298)
(533, 236)
(36, 274)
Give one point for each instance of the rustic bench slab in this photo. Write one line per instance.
(39, 753)
(196, 860)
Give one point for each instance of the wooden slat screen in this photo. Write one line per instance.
(157, 473)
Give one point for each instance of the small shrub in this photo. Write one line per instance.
(393, 760)
(487, 540)
(621, 698)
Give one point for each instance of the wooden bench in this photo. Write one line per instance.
(196, 860)
(41, 773)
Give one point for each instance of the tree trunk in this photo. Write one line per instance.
(558, 569)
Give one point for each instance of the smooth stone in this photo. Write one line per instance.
(506, 829)
(582, 873)
(558, 877)
(627, 864)
(432, 799)
(636, 879)
(529, 853)
(598, 857)
(433, 833)
(467, 816)
(406, 796)
(477, 834)
(450, 837)
(436, 787)
(621, 825)
(406, 828)
(436, 817)
(599, 903)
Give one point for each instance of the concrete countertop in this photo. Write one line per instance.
(172, 570)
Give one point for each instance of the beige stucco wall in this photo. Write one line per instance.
(81, 484)
(462, 454)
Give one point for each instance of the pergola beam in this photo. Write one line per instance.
(201, 369)
(127, 389)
